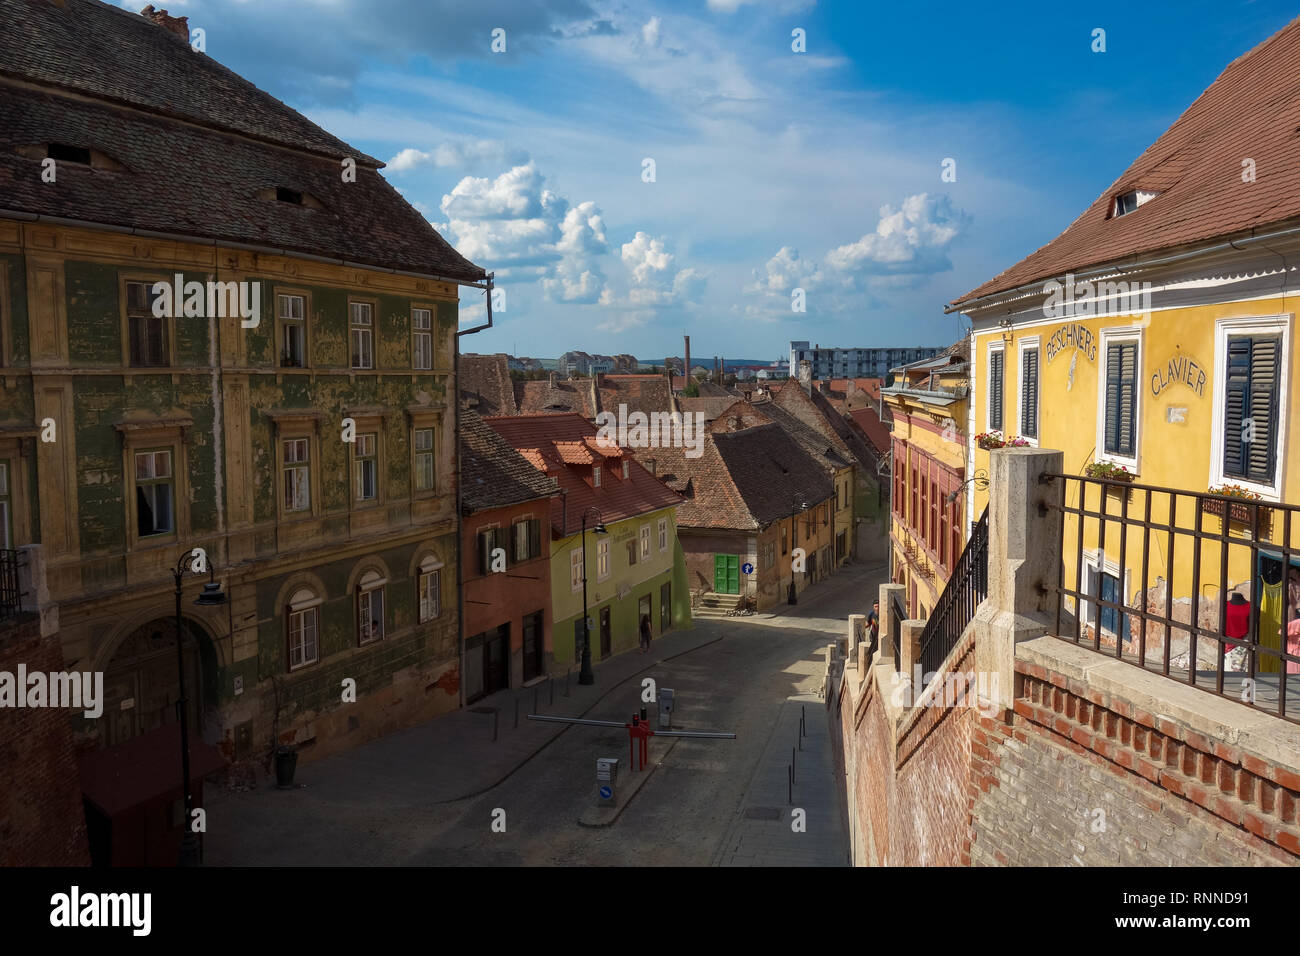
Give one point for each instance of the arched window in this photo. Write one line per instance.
(428, 588)
(370, 607)
(302, 627)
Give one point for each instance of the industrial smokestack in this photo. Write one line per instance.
(687, 379)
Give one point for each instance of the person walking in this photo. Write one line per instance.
(873, 622)
(645, 633)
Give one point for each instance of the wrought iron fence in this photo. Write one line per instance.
(1199, 587)
(10, 596)
(967, 587)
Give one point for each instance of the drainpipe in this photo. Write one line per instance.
(455, 458)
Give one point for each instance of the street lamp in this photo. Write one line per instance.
(191, 562)
(585, 676)
(980, 479)
(800, 504)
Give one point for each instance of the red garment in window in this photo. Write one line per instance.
(1237, 623)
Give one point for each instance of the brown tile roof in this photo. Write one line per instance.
(617, 497)
(640, 393)
(846, 394)
(541, 397)
(876, 434)
(1252, 110)
(492, 473)
(486, 386)
(575, 453)
(711, 407)
(198, 175)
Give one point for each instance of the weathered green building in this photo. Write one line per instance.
(298, 425)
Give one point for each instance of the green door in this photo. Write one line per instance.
(726, 573)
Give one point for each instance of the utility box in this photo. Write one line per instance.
(666, 700)
(606, 781)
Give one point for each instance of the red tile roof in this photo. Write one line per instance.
(555, 438)
(1251, 111)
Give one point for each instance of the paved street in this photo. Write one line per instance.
(429, 795)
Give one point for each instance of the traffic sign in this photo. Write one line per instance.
(747, 568)
(606, 793)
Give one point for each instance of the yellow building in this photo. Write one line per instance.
(927, 529)
(1156, 338)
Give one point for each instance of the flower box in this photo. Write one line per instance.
(1240, 512)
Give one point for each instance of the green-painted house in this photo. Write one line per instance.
(635, 567)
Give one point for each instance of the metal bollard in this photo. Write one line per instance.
(789, 785)
(792, 763)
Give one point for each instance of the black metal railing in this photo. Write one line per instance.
(896, 617)
(967, 587)
(11, 598)
(1200, 587)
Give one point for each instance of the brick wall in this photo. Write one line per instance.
(42, 822)
(1071, 775)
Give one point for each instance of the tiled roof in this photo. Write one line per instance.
(818, 414)
(109, 53)
(817, 445)
(486, 386)
(492, 473)
(877, 436)
(617, 497)
(200, 176)
(846, 394)
(640, 393)
(566, 396)
(711, 407)
(1251, 111)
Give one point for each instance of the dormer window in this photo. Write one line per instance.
(625, 469)
(64, 153)
(288, 195)
(1127, 202)
(595, 476)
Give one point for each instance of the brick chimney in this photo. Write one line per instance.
(551, 379)
(177, 25)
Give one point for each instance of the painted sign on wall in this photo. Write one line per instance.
(1074, 335)
(1179, 369)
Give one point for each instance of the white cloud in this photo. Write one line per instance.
(781, 6)
(461, 153)
(650, 32)
(653, 277)
(910, 240)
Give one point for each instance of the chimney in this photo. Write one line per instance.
(688, 359)
(551, 378)
(177, 25)
(600, 379)
(805, 374)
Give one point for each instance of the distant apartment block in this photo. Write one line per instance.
(584, 363)
(855, 363)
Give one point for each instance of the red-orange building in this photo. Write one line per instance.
(505, 560)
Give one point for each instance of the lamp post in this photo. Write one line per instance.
(191, 562)
(800, 504)
(980, 479)
(585, 675)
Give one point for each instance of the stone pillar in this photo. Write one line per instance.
(886, 620)
(1024, 557)
(909, 649)
(857, 622)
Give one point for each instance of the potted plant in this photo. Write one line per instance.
(1108, 470)
(990, 440)
(286, 761)
(1237, 512)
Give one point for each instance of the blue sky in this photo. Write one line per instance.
(774, 169)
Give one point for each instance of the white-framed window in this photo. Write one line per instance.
(370, 608)
(595, 476)
(365, 466)
(297, 474)
(291, 310)
(428, 588)
(1251, 386)
(422, 441)
(155, 497)
(1102, 580)
(302, 625)
(575, 569)
(1125, 203)
(362, 319)
(602, 558)
(663, 534)
(644, 533)
(422, 339)
(1030, 389)
(626, 468)
(997, 375)
(1119, 397)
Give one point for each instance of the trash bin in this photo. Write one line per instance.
(286, 761)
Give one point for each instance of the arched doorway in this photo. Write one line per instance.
(141, 684)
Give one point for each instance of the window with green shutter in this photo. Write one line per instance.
(1029, 393)
(995, 390)
(1120, 427)
(1251, 384)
